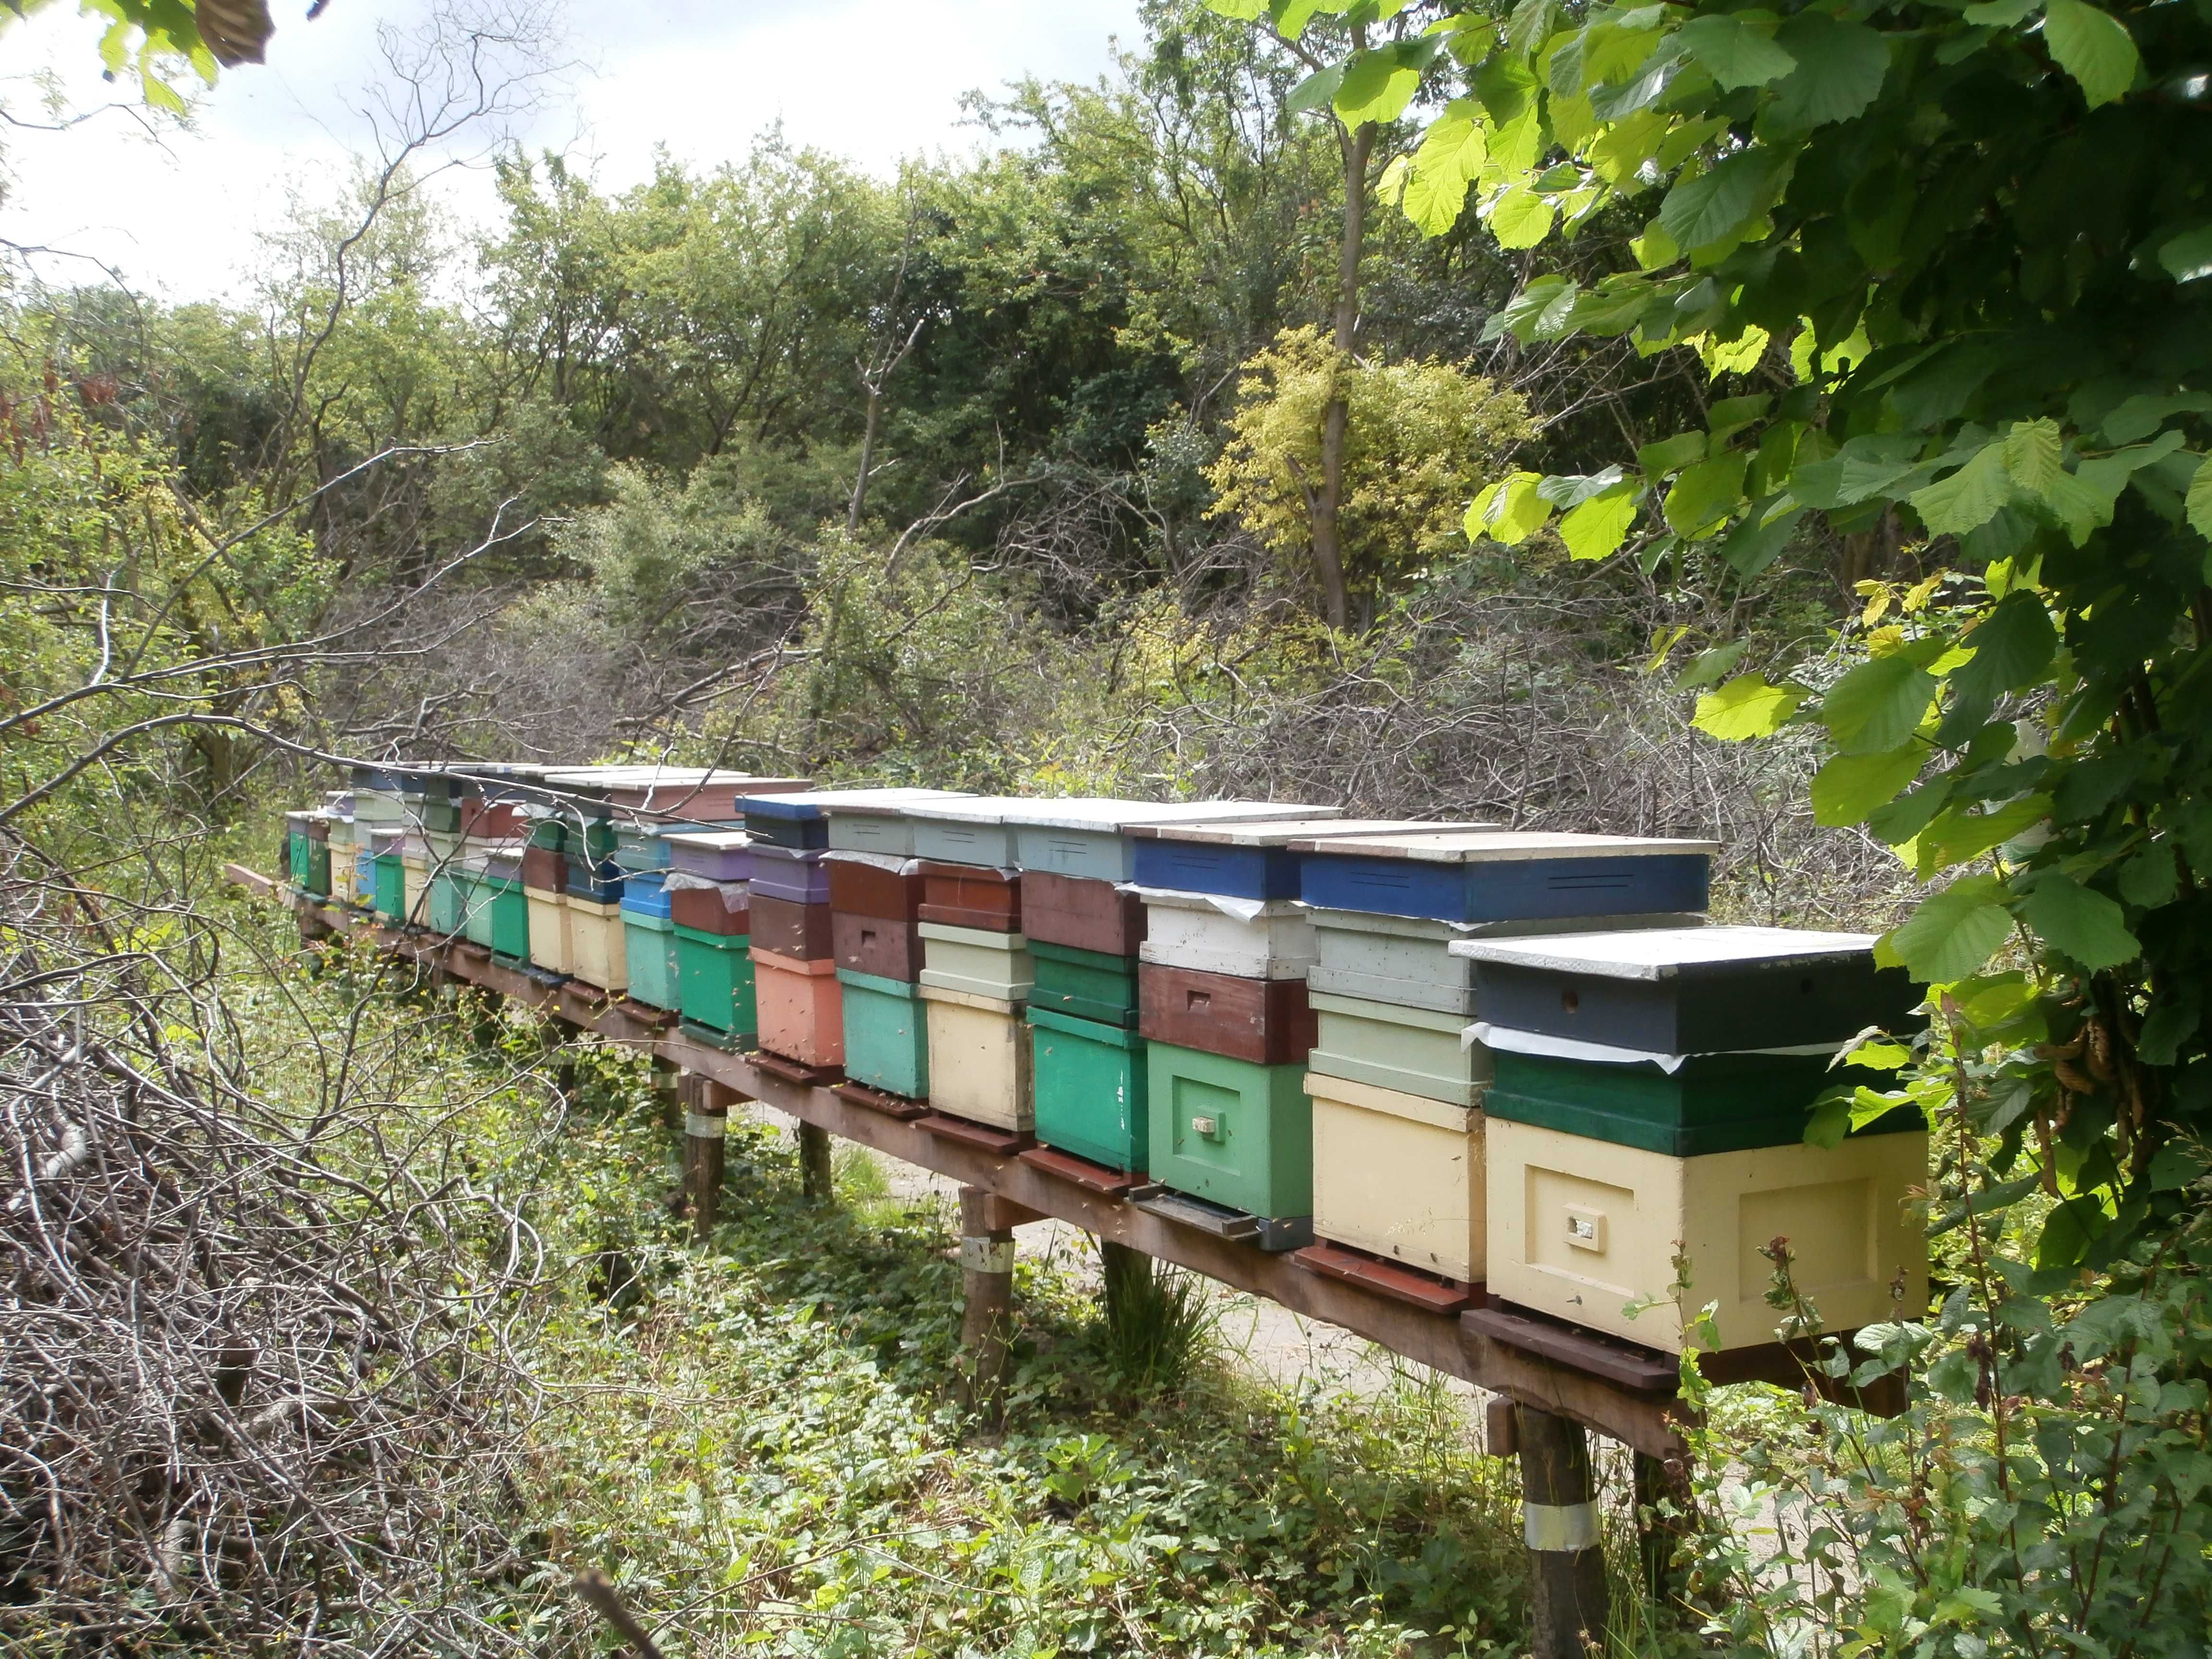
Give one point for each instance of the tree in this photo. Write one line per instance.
(1418, 439)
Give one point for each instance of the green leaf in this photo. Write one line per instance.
(1672, 454)
(2034, 454)
(1877, 706)
(1316, 90)
(1747, 706)
(1706, 495)
(1245, 11)
(1510, 511)
(1952, 933)
(1451, 153)
(1734, 50)
(2087, 926)
(2200, 498)
(1757, 543)
(2188, 256)
(1840, 70)
(2092, 46)
(1377, 85)
(1958, 836)
(1520, 218)
(1969, 498)
(1722, 200)
(1597, 529)
(1849, 786)
(2001, 14)
(2013, 645)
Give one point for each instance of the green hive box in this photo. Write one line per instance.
(1085, 984)
(510, 916)
(475, 907)
(1230, 1131)
(656, 966)
(714, 973)
(295, 856)
(319, 868)
(886, 1034)
(446, 910)
(1092, 1086)
(1416, 1051)
(1709, 1103)
(390, 887)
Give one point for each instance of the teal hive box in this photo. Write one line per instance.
(319, 868)
(445, 912)
(510, 916)
(1230, 1131)
(1085, 984)
(1416, 1051)
(715, 982)
(390, 887)
(886, 1034)
(656, 973)
(1722, 1102)
(1091, 1087)
(475, 907)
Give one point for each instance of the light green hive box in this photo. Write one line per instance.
(1230, 1131)
(715, 975)
(1417, 1051)
(656, 973)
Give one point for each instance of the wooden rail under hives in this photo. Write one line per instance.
(1560, 1381)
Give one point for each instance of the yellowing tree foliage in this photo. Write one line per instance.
(1424, 436)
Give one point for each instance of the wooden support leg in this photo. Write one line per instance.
(987, 1275)
(706, 1122)
(668, 1091)
(814, 1165)
(1658, 1536)
(1567, 1600)
(561, 1033)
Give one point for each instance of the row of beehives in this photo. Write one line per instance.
(1507, 1058)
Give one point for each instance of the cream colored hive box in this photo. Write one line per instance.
(1580, 1228)
(1398, 1175)
(978, 1059)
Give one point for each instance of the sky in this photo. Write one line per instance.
(175, 212)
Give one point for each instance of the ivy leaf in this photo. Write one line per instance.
(1722, 200)
(1951, 934)
(1747, 706)
(1849, 786)
(2092, 46)
(1734, 51)
(1876, 707)
(2200, 498)
(1596, 528)
(2078, 920)
(1969, 498)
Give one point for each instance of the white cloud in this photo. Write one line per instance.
(874, 79)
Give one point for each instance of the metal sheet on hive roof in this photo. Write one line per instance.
(825, 803)
(1504, 845)
(1659, 953)
(1265, 833)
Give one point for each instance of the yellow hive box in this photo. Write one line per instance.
(549, 930)
(598, 949)
(414, 872)
(1579, 1228)
(1398, 1175)
(978, 1059)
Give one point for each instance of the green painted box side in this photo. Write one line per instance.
(886, 1034)
(390, 887)
(715, 976)
(1416, 1051)
(1258, 1155)
(444, 911)
(295, 856)
(510, 917)
(475, 907)
(1092, 1087)
(1085, 984)
(656, 972)
(1711, 1103)
(319, 868)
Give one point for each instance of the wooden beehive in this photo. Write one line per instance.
(1503, 876)
(1265, 1021)
(1257, 940)
(1398, 1175)
(1248, 859)
(1233, 1133)
(1416, 1051)
(978, 1059)
(886, 1034)
(1091, 1087)
(799, 1007)
(1580, 1229)
(1081, 914)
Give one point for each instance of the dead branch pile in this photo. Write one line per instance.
(256, 1382)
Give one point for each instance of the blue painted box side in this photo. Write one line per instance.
(1255, 873)
(1532, 890)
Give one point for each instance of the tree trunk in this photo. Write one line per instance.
(1358, 145)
